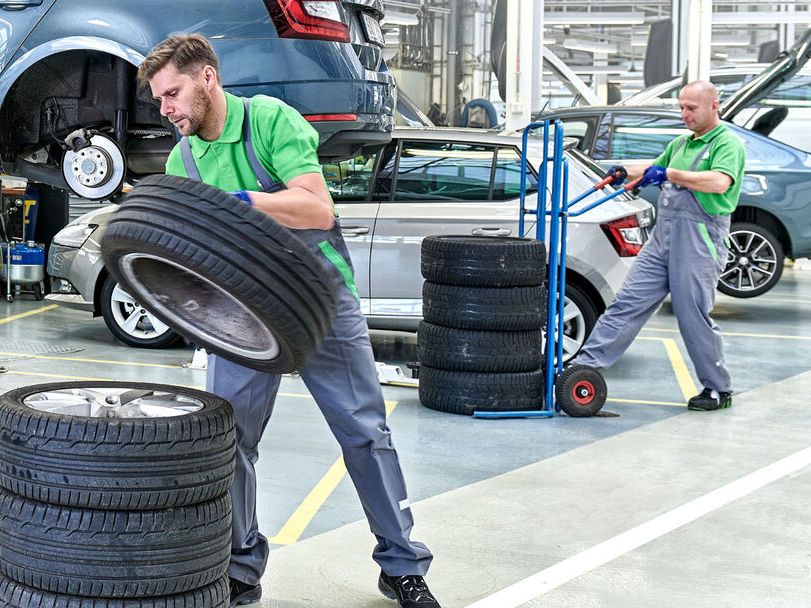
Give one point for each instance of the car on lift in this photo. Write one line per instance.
(73, 117)
(771, 116)
(427, 181)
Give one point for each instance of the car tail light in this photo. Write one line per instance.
(328, 117)
(316, 19)
(625, 235)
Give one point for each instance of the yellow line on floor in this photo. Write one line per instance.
(55, 376)
(688, 387)
(645, 402)
(737, 334)
(83, 360)
(294, 527)
(22, 315)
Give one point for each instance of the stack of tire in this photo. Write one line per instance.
(484, 308)
(118, 508)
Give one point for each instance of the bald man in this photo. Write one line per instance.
(700, 178)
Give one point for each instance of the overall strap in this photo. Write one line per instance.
(267, 182)
(188, 160)
(700, 154)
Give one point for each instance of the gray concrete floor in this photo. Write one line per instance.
(656, 507)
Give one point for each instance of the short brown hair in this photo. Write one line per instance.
(188, 52)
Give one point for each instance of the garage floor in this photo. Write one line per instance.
(657, 506)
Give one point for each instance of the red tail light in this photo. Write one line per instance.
(625, 235)
(316, 19)
(328, 117)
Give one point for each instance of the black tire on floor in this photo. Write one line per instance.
(15, 595)
(484, 308)
(467, 392)
(220, 273)
(479, 351)
(486, 261)
(107, 305)
(580, 391)
(115, 463)
(754, 262)
(131, 554)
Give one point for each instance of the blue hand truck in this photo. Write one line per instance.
(577, 390)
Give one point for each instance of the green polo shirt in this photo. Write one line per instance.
(284, 143)
(726, 155)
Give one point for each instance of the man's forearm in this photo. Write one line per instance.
(712, 182)
(296, 207)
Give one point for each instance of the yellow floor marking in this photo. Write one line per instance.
(294, 527)
(688, 387)
(28, 314)
(645, 402)
(56, 376)
(737, 334)
(83, 360)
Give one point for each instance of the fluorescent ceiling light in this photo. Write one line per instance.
(395, 18)
(730, 41)
(588, 46)
(641, 40)
(593, 18)
(742, 59)
(754, 17)
(597, 69)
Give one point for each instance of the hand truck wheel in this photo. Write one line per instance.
(580, 391)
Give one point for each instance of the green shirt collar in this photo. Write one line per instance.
(232, 133)
(711, 134)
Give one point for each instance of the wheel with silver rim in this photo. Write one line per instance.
(115, 445)
(97, 171)
(754, 261)
(579, 318)
(129, 321)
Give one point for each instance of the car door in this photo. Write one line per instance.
(350, 183)
(17, 19)
(437, 187)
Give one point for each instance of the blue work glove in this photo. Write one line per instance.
(242, 195)
(619, 174)
(655, 175)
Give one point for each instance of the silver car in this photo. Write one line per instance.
(427, 181)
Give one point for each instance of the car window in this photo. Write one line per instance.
(507, 176)
(641, 136)
(350, 180)
(443, 170)
(581, 129)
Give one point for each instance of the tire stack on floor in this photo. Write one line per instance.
(484, 308)
(126, 508)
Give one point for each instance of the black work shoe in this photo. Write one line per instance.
(710, 400)
(410, 591)
(243, 593)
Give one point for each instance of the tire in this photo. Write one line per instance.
(129, 322)
(580, 316)
(754, 262)
(484, 308)
(220, 273)
(479, 351)
(487, 261)
(580, 391)
(64, 457)
(467, 392)
(113, 554)
(15, 595)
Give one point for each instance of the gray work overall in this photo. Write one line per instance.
(342, 378)
(684, 257)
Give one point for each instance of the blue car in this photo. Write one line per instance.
(73, 117)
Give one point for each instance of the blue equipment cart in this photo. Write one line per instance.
(580, 390)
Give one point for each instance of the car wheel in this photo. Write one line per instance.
(115, 445)
(754, 261)
(579, 318)
(220, 273)
(130, 322)
(121, 554)
(17, 595)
